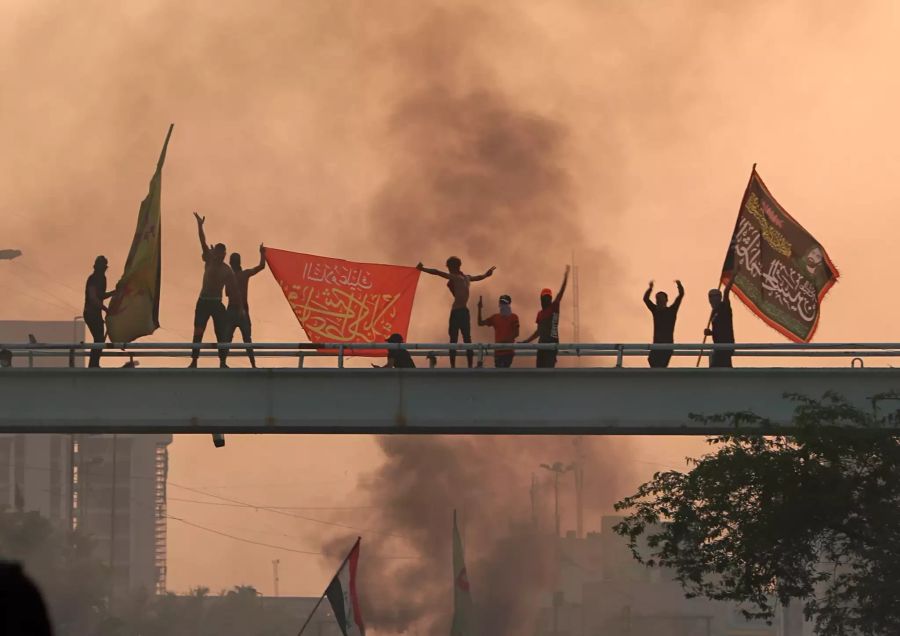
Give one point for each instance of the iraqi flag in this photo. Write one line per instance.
(342, 595)
(463, 612)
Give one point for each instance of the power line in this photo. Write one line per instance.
(270, 545)
(243, 539)
(237, 505)
(289, 514)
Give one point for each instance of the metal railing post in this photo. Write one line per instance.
(480, 354)
(620, 353)
(340, 356)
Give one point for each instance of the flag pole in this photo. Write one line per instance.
(719, 287)
(322, 598)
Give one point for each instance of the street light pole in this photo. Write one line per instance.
(557, 468)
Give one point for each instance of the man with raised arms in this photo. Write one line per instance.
(216, 277)
(460, 319)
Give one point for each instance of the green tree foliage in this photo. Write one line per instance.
(73, 583)
(75, 586)
(813, 517)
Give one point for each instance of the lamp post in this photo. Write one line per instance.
(557, 468)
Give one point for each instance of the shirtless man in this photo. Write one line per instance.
(235, 319)
(458, 284)
(216, 275)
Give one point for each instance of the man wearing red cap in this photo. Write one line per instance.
(548, 324)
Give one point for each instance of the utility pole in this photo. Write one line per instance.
(579, 486)
(112, 523)
(275, 563)
(576, 309)
(557, 468)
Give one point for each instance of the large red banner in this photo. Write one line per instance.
(342, 301)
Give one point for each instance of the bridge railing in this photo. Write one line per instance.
(604, 354)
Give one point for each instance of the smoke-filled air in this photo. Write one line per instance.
(527, 135)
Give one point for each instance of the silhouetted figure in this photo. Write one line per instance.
(458, 284)
(397, 358)
(22, 608)
(506, 329)
(722, 331)
(664, 317)
(236, 318)
(216, 276)
(94, 295)
(6, 358)
(548, 324)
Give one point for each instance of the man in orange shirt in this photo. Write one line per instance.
(506, 329)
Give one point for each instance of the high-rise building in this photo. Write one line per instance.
(113, 487)
(120, 501)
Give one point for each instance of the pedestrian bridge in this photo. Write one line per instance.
(604, 395)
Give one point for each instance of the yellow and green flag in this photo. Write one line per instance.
(134, 309)
(463, 610)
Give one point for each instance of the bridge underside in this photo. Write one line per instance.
(481, 401)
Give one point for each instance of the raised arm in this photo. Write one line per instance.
(481, 321)
(726, 293)
(485, 275)
(433, 272)
(647, 300)
(677, 302)
(562, 288)
(262, 262)
(200, 221)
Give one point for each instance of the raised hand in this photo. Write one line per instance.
(490, 271)
(200, 219)
(419, 266)
(262, 249)
(650, 285)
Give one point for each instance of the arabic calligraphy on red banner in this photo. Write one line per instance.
(342, 301)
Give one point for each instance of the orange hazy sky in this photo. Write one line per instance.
(289, 130)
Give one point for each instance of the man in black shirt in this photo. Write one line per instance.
(94, 295)
(722, 331)
(397, 358)
(547, 321)
(664, 317)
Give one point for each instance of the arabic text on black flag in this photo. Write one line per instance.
(781, 272)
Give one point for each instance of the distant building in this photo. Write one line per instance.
(120, 501)
(290, 611)
(111, 486)
(602, 590)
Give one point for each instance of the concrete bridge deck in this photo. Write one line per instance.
(481, 401)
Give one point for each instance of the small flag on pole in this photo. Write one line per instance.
(463, 612)
(343, 597)
(134, 309)
(780, 271)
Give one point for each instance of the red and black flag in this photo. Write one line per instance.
(780, 271)
(343, 597)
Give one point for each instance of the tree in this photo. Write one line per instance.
(74, 584)
(812, 517)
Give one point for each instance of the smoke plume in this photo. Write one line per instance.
(510, 554)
